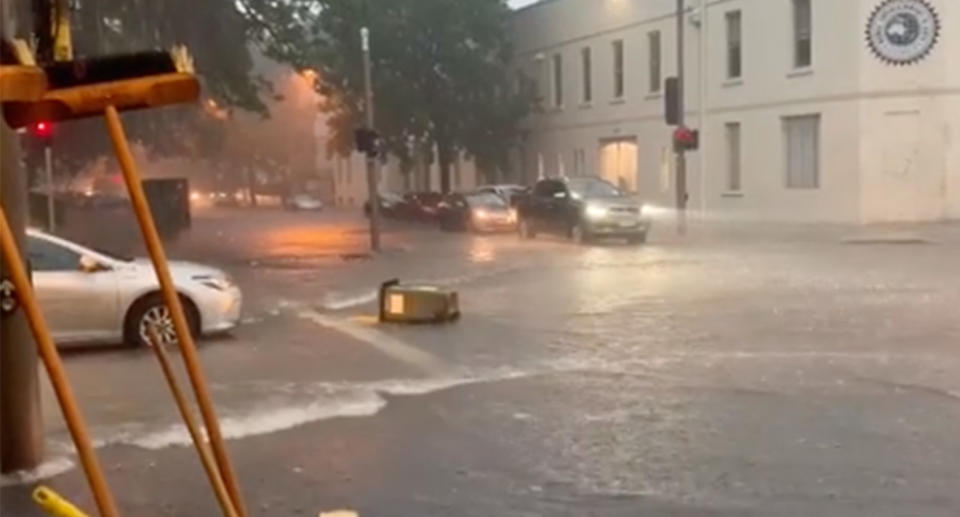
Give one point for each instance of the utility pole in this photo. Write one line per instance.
(373, 191)
(681, 122)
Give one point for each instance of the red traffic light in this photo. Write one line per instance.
(43, 129)
(686, 139)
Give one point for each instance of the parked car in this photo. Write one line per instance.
(475, 211)
(583, 209)
(303, 202)
(421, 206)
(226, 198)
(92, 296)
(507, 192)
(391, 205)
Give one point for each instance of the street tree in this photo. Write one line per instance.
(217, 37)
(441, 70)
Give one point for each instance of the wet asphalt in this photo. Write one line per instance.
(748, 370)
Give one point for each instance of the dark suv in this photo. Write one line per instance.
(583, 209)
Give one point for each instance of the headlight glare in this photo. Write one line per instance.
(595, 212)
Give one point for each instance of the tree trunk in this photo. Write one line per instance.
(252, 187)
(21, 424)
(445, 160)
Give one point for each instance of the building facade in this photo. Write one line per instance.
(350, 178)
(809, 110)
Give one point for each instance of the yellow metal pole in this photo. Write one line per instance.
(58, 377)
(209, 464)
(55, 505)
(62, 35)
(184, 338)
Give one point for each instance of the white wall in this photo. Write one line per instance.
(852, 91)
(909, 114)
(951, 107)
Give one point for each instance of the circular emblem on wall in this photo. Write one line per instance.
(902, 32)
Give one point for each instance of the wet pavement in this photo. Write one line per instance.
(743, 370)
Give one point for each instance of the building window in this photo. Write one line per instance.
(802, 141)
(802, 34)
(618, 69)
(540, 73)
(587, 65)
(734, 182)
(557, 80)
(734, 45)
(579, 162)
(653, 39)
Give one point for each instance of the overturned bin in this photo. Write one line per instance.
(417, 304)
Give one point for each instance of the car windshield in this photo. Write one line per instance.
(115, 256)
(592, 188)
(486, 199)
(510, 192)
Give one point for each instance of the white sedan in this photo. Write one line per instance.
(90, 296)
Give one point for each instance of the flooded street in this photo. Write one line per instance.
(724, 374)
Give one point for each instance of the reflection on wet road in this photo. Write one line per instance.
(746, 376)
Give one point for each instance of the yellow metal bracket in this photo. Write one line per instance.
(93, 99)
(20, 83)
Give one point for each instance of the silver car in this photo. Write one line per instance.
(90, 296)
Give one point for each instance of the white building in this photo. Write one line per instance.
(350, 178)
(803, 116)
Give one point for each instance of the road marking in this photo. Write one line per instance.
(385, 343)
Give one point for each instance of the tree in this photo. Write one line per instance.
(217, 36)
(441, 70)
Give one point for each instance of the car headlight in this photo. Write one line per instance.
(595, 212)
(481, 214)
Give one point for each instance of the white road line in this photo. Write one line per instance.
(385, 343)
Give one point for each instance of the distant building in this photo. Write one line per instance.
(804, 117)
(350, 178)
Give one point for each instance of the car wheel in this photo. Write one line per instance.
(579, 235)
(151, 310)
(637, 239)
(525, 229)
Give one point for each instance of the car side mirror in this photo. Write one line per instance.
(89, 264)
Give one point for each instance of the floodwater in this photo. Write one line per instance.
(774, 372)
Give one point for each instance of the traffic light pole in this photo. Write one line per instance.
(681, 122)
(21, 424)
(373, 191)
(21, 418)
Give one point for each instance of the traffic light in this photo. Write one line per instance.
(367, 141)
(671, 97)
(43, 130)
(686, 139)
